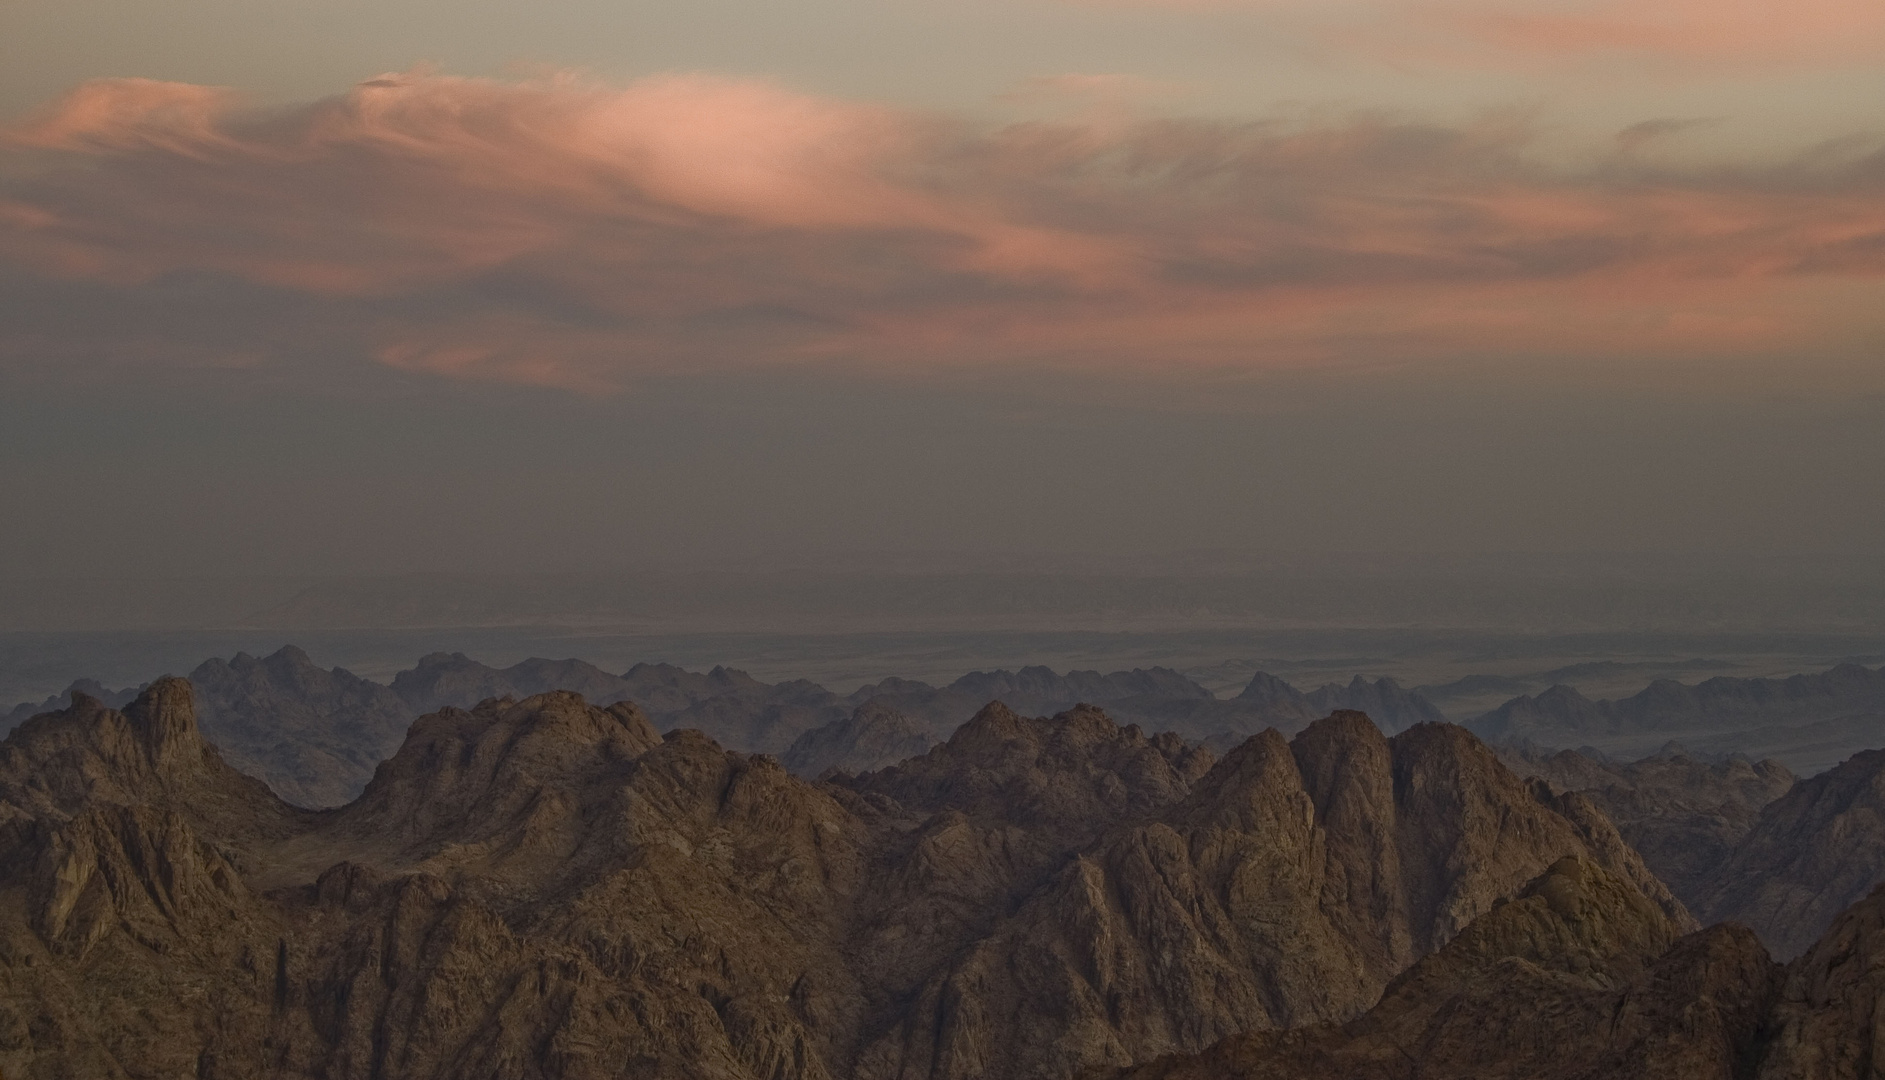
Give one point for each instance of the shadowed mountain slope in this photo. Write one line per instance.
(1576, 978)
(312, 735)
(1685, 817)
(1809, 855)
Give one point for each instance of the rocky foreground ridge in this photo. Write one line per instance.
(547, 888)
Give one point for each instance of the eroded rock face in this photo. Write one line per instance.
(544, 888)
(1685, 817)
(1287, 887)
(1809, 854)
(1830, 1022)
(1578, 977)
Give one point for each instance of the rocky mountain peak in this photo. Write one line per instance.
(1074, 772)
(873, 736)
(469, 772)
(1265, 688)
(164, 719)
(1576, 976)
(58, 761)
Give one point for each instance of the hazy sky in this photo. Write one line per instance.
(353, 287)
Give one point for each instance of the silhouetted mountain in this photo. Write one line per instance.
(1037, 690)
(454, 679)
(731, 706)
(313, 735)
(1157, 698)
(1808, 721)
(873, 736)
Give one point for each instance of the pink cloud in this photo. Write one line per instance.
(567, 234)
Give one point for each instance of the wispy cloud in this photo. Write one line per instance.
(1737, 33)
(565, 233)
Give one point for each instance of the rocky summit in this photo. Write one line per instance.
(548, 888)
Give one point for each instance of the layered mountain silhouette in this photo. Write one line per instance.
(874, 735)
(315, 735)
(90, 688)
(546, 887)
(1810, 721)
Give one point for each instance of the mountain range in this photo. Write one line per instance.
(1812, 721)
(547, 887)
(315, 735)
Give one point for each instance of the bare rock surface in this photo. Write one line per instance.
(1809, 855)
(546, 888)
(1578, 977)
(1686, 817)
(1286, 887)
(26, 710)
(1830, 1021)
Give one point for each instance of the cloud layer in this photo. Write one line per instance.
(1708, 35)
(564, 233)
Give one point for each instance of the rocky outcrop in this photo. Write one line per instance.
(1577, 977)
(1287, 887)
(1684, 816)
(1830, 1021)
(539, 888)
(57, 766)
(542, 887)
(19, 714)
(1809, 855)
(872, 737)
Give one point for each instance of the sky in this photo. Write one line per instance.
(348, 287)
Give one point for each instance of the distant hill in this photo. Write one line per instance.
(116, 699)
(317, 735)
(1810, 722)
